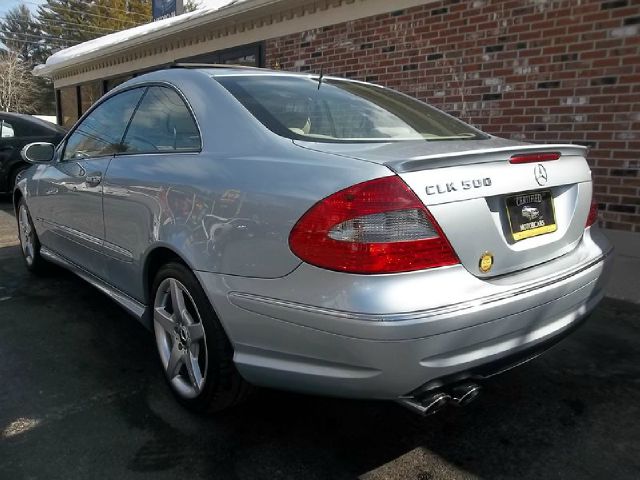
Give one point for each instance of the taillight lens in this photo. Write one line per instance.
(593, 214)
(379, 226)
(534, 157)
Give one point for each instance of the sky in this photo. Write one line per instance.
(6, 5)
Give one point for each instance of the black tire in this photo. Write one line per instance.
(33, 261)
(223, 386)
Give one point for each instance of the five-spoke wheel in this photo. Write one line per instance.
(180, 337)
(29, 242)
(194, 350)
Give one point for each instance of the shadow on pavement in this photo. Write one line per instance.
(8, 227)
(83, 397)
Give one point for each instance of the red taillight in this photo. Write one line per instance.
(534, 157)
(593, 214)
(379, 226)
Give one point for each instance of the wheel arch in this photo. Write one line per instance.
(17, 195)
(155, 258)
(229, 387)
(15, 167)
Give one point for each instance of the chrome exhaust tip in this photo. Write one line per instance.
(426, 405)
(463, 394)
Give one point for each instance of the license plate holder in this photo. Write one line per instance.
(531, 214)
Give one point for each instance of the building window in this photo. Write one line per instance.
(68, 106)
(246, 60)
(247, 55)
(90, 93)
(114, 82)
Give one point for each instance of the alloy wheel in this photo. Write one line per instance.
(180, 338)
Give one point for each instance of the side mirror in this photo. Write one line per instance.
(38, 152)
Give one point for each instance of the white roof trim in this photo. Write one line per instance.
(125, 39)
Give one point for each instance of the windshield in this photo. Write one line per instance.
(305, 108)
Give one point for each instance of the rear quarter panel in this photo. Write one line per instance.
(228, 209)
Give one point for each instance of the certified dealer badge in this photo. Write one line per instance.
(486, 262)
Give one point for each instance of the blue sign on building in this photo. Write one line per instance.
(166, 8)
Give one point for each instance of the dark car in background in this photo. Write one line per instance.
(16, 131)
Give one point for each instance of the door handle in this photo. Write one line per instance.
(93, 180)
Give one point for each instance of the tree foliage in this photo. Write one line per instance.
(70, 22)
(189, 6)
(20, 33)
(24, 47)
(22, 36)
(16, 83)
(60, 24)
(28, 39)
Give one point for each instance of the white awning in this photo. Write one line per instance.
(211, 11)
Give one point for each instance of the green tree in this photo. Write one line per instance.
(24, 47)
(70, 22)
(17, 86)
(65, 23)
(20, 33)
(189, 6)
(60, 24)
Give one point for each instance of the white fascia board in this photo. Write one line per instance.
(125, 39)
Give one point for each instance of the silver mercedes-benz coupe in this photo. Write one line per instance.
(316, 234)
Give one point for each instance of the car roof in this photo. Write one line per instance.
(217, 71)
(223, 70)
(8, 116)
(267, 72)
(177, 72)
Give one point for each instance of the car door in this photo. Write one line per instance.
(9, 150)
(158, 150)
(70, 189)
(16, 131)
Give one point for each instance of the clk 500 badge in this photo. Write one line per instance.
(459, 185)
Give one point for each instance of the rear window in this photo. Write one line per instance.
(162, 123)
(305, 108)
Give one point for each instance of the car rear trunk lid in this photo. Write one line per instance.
(498, 216)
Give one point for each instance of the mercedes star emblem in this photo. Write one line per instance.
(541, 174)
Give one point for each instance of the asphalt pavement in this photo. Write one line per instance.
(83, 397)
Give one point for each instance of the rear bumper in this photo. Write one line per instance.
(294, 332)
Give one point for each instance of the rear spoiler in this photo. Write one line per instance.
(487, 155)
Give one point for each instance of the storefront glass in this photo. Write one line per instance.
(68, 106)
(114, 82)
(89, 94)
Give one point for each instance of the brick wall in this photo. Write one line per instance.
(537, 70)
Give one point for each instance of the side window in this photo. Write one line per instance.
(162, 123)
(100, 133)
(6, 130)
